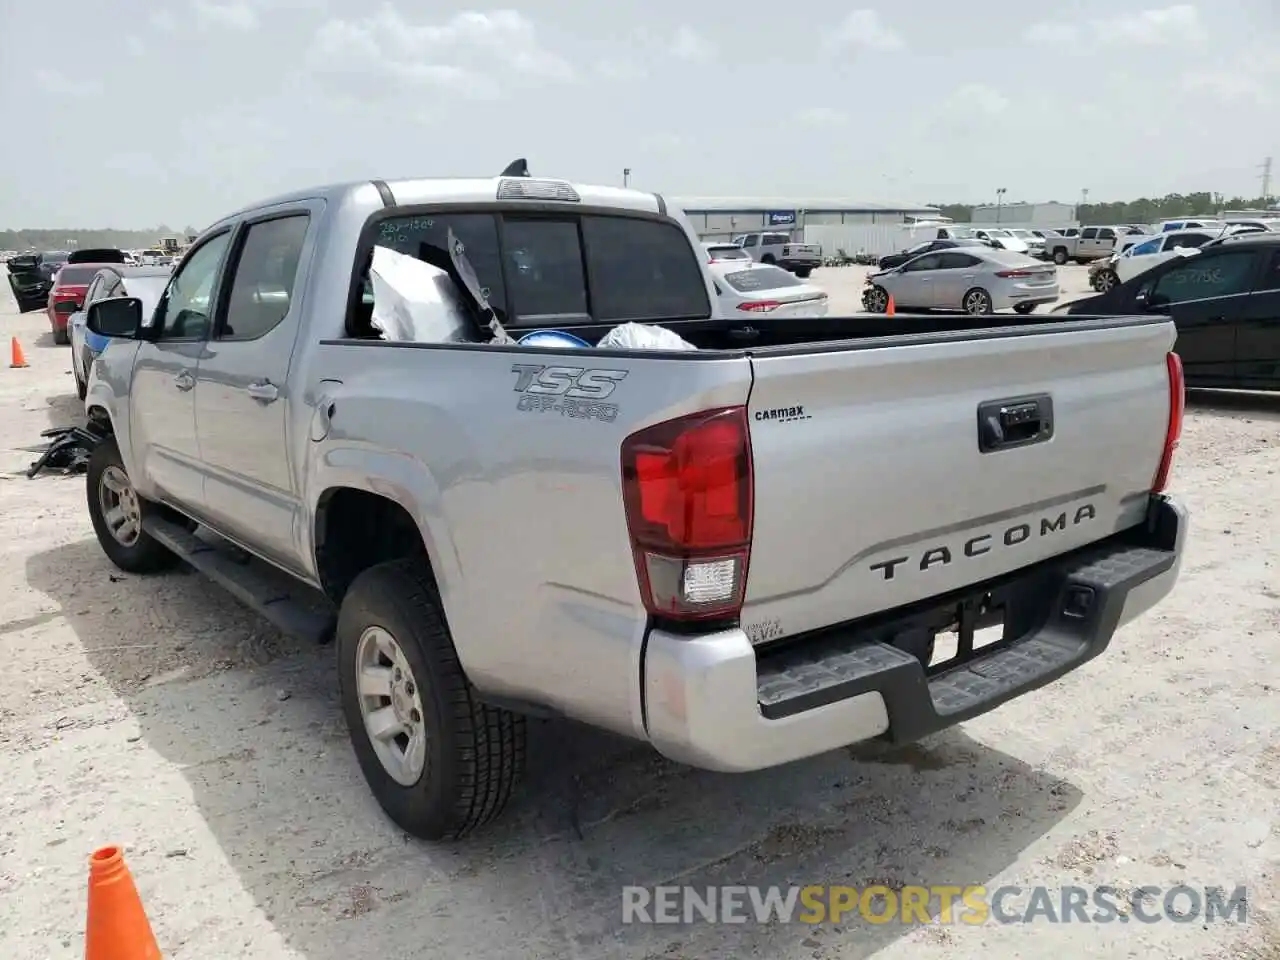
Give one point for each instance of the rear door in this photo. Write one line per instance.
(1205, 295)
(1258, 330)
(242, 389)
(1088, 242)
(871, 490)
(955, 275)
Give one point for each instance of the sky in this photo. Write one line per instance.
(141, 112)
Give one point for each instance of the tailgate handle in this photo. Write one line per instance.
(1017, 422)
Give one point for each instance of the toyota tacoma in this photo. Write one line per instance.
(794, 537)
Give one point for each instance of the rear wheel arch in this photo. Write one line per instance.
(356, 529)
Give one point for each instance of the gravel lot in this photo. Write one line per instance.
(159, 714)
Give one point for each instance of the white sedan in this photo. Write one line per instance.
(751, 288)
(1141, 257)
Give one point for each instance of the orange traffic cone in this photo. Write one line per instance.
(17, 357)
(889, 308)
(117, 928)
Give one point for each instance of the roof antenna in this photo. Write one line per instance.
(516, 168)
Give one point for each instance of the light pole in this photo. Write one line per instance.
(1084, 202)
(1000, 201)
(626, 176)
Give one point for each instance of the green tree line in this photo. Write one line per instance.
(84, 239)
(1143, 210)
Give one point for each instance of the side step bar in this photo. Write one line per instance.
(285, 609)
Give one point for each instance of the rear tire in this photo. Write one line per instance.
(769, 259)
(117, 514)
(977, 302)
(1024, 308)
(803, 272)
(452, 762)
(1106, 280)
(62, 337)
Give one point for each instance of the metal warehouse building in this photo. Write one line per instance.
(836, 224)
(1026, 214)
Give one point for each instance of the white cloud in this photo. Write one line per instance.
(689, 45)
(822, 117)
(619, 70)
(468, 55)
(134, 46)
(1154, 28)
(236, 15)
(1252, 79)
(979, 98)
(61, 85)
(1053, 34)
(164, 21)
(1176, 25)
(864, 28)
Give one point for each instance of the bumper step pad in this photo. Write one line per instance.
(1080, 598)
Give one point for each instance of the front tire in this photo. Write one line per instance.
(117, 513)
(439, 762)
(1060, 256)
(1024, 308)
(876, 300)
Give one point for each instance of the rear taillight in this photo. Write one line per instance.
(759, 306)
(1177, 409)
(687, 489)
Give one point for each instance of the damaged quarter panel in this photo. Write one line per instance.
(510, 460)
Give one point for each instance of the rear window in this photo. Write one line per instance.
(1009, 258)
(771, 238)
(728, 253)
(760, 278)
(77, 275)
(568, 270)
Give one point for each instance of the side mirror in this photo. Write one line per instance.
(119, 317)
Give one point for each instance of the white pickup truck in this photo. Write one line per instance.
(779, 249)
(740, 554)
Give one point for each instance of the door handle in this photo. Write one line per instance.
(184, 381)
(264, 390)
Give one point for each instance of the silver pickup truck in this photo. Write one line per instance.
(741, 554)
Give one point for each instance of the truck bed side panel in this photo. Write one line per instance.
(871, 491)
(520, 503)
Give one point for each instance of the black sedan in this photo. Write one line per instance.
(929, 246)
(1225, 302)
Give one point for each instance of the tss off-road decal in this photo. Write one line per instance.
(575, 392)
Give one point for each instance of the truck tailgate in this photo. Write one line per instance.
(871, 490)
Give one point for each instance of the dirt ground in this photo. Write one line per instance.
(158, 714)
